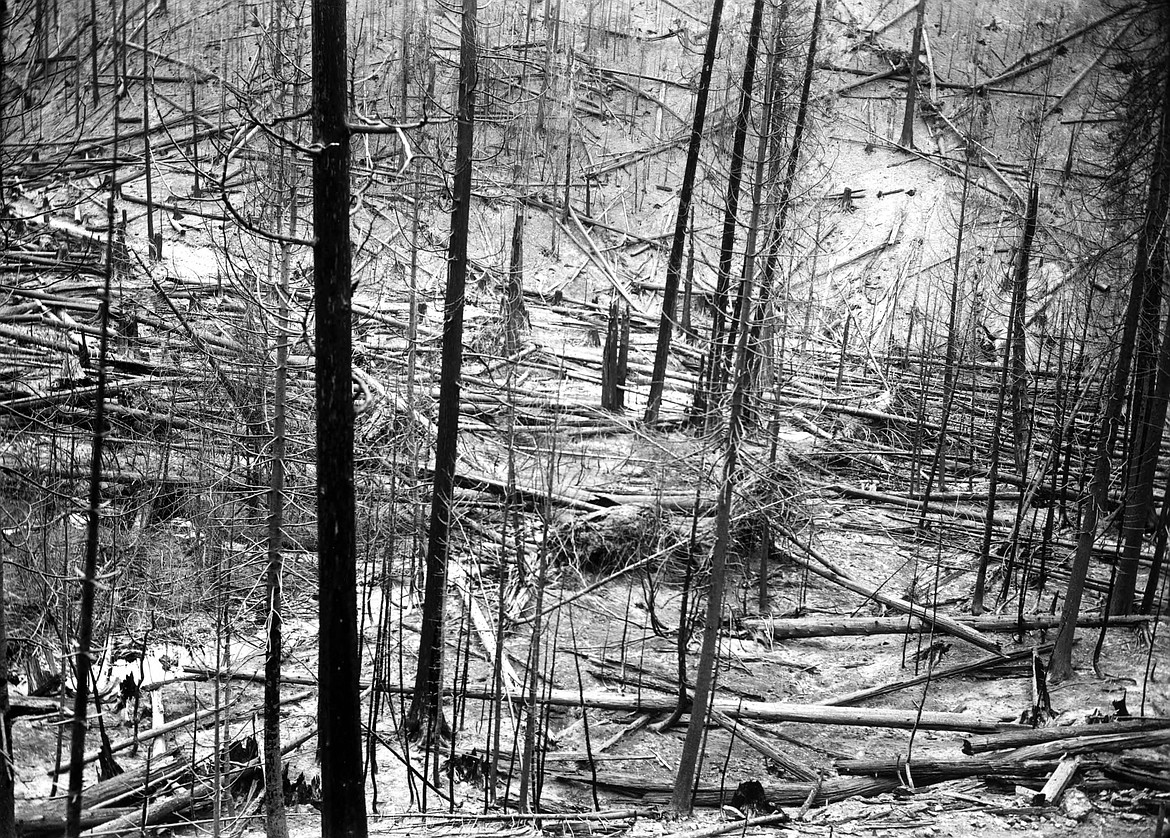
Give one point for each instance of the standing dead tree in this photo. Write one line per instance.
(731, 204)
(674, 263)
(343, 798)
(425, 717)
(1147, 269)
(907, 138)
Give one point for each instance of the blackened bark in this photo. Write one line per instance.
(425, 717)
(674, 263)
(907, 138)
(1145, 271)
(684, 783)
(7, 802)
(731, 203)
(83, 661)
(1151, 261)
(784, 199)
(343, 803)
(1018, 349)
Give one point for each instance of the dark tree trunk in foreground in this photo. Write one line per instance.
(425, 716)
(83, 650)
(343, 798)
(907, 138)
(674, 263)
(1145, 271)
(7, 775)
(7, 803)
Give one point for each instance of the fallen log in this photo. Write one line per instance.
(1012, 739)
(48, 817)
(936, 675)
(832, 572)
(767, 711)
(941, 623)
(137, 781)
(927, 771)
(752, 739)
(1138, 773)
(787, 629)
(157, 812)
(31, 705)
(857, 493)
(183, 721)
(1058, 782)
(1092, 744)
(778, 794)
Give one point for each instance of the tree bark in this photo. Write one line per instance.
(674, 263)
(784, 199)
(82, 665)
(907, 138)
(682, 799)
(1060, 664)
(731, 204)
(343, 803)
(1018, 349)
(276, 824)
(7, 776)
(425, 717)
(1145, 450)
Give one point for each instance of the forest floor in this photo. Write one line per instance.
(616, 494)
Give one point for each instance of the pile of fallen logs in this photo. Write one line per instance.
(173, 780)
(1039, 764)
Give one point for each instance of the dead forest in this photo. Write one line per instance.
(622, 417)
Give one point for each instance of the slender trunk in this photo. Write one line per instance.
(425, 717)
(684, 784)
(1152, 579)
(674, 263)
(276, 825)
(979, 591)
(7, 776)
(938, 467)
(1019, 382)
(1152, 386)
(83, 663)
(1145, 271)
(515, 316)
(731, 202)
(907, 138)
(343, 804)
(784, 199)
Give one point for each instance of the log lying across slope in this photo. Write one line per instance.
(786, 629)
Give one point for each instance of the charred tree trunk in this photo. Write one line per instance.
(1151, 415)
(83, 662)
(684, 784)
(425, 717)
(7, 776)
(276, 824)
(674, 263)
(907, 138)
(731, 204)
(784, 198)
(1146, 270)
(515, 316)
(1019, 349)
(343, 799)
